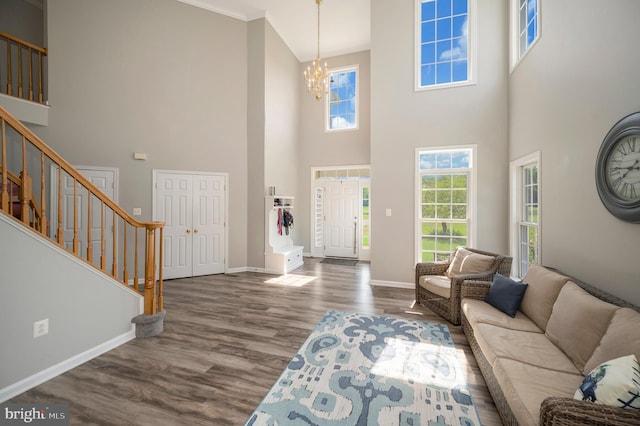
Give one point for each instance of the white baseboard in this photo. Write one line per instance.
(396, 284)
(64, 366)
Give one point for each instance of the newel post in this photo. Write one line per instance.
(150, 300)
(151, 323)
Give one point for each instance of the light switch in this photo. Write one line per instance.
(137, 211)
(388, 212)
(139, 155)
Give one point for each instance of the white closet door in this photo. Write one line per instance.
(208, 224)
(174, 195)
(341, 200)
(105, 180)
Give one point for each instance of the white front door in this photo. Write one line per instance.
(341, 211)
(192, 207)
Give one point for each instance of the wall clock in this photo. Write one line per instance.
(618, 169)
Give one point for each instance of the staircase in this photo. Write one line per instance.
(32, 177)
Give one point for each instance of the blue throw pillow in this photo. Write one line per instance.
(506, 294)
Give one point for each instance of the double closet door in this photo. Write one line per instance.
(192, 207)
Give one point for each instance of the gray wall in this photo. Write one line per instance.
(255, 140)
(577, 82)
(101, 310)
(403, 120)
(272, 125)
(319, 148)
(154, 76)
(22, 19)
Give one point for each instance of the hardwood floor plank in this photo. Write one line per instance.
(227, 339)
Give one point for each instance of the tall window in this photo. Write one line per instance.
(443, 54)
(525, 183)
(342, 103)
(444, 207)
(525, 27)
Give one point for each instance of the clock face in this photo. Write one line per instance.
(618, 169)
(623, 168)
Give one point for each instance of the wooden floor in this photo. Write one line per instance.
(227, 338)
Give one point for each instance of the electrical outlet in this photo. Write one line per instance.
(40, 328)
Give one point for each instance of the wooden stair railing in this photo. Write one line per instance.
(85, 204)
(17, 49)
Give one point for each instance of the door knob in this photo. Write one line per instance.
(188, 231)
(195, 231)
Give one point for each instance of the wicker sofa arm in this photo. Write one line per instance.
(431, 268)
(556, 411)
(475, 290)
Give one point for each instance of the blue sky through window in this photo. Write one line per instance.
(529, 17)
(445, 160)
(444, 40)
(342, 102)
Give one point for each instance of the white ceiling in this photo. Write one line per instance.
(344, 24)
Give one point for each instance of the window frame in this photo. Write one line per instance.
(514, 29)
(327, 103)
(472, 193)
(517, 185)
(472, 49)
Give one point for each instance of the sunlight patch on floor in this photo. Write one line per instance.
(435, 365)
(291, 280)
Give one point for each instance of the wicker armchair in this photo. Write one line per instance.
(449, 307)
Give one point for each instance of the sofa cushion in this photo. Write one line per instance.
(506, 294)
(621, 338)
(544, 287)
(467, 262)
(438, 284)
(525, 386)
(615, 383)
(531, 348)
(478, 311)
(578, 322)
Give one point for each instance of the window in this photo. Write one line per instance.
(444, 202)
(525, 212)
(443, 53)
(342, 102)
(525, 27)
(364, 237)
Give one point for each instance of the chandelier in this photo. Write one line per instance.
(316, 75)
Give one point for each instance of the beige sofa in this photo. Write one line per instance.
(534, 362)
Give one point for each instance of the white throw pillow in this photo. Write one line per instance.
(615, 383)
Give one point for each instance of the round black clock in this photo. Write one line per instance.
(618, 169)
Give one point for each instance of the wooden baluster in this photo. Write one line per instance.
(4, 196)
(60, 229)
(76, 241)
(125, 273)
(103, 260)
(136, 277)
(40, 83)
(44, 225)
(20, 70)
(9, 88)
(30, 74)
(114, 265)
(25, 185)
(89, 245)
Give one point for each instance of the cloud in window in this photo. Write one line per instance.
(339, 122)
(459, 51)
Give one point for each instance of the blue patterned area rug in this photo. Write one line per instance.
(358, 369)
